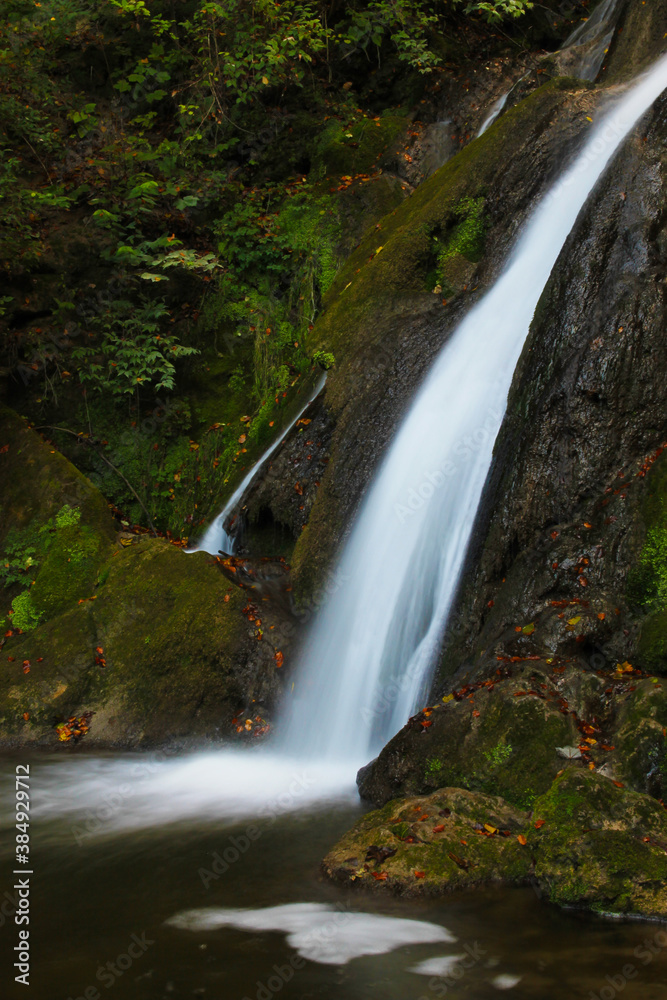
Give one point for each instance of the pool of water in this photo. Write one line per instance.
(111, 913)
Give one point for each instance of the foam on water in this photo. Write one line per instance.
(318, 932)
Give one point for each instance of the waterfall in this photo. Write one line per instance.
(584, 51)
(368, 660)
(582, 54)
(217, 538)
(493, 113)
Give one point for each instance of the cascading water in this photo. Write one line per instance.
(582, 54)
(588, 44)
(217, 538)
(368, 659)
(493, 113)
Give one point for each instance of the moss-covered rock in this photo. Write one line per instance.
(500, 737)
(601, 846)
(354, 147)
(587, 843)
(148, 639)
(69, 570)
(36, 481)
(452, 839)
(160, 651)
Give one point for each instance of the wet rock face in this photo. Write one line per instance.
(578, 456)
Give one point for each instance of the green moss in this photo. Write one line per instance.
(598, 845)
(498, 754)
(36, 482)
(69, 570)
(25, 616)
(438, 835)
(67, 516)
(162, 652)
(354, 146)
(647, 581)
(460, 240)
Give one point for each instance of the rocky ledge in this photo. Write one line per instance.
(544, 772)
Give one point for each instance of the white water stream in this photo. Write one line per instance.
(588, 44)
(368, 660)
(217, 538)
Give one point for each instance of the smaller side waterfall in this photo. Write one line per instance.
(217, 538)
(584, 51)
(582, 54)
(493, 113)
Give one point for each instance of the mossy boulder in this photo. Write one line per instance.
(36, 481)
(356, 146)
(500, 737)
(159, 652)
(588, 843)
(147, 638)
(601, 846)
(426, 845)
(69, 570)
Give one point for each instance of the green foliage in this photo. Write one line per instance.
(67, 516)
(499, 754)
(134, 349)
(462, 237)
(24, 614)
(467, 236)
(648, 582)
(19, 558)
(25, 549)
(145, 143)
(496, 10)
(324, 359)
